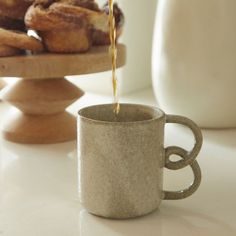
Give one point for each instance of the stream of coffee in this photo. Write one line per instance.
(113, 53)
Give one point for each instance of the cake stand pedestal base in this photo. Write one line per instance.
(2, 85)
(41, 117)
(39, 129)
(43, 93)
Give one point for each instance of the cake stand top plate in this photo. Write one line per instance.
(50, 65)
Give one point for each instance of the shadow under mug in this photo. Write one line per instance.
(121, 159)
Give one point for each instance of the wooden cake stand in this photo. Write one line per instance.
(2, 84)
(42, 94)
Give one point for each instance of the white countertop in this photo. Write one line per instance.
(38, 189)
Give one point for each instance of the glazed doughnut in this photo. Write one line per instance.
(20, 40)
(6, 51)
(14, 8)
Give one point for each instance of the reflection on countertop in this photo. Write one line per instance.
(39, 196)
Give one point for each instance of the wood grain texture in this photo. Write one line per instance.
(2, 84)
(39, 129)
(43, 96)
(41, 118)
(43, 93)
(59, 65)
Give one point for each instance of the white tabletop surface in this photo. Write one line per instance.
(38, 189)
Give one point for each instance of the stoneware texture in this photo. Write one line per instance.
(121, 159)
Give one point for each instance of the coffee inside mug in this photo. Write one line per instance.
(128, 113)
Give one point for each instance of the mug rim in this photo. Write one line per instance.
(159, 114)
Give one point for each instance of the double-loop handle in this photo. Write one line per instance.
(188, 158)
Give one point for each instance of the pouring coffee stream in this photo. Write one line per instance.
(113, 53)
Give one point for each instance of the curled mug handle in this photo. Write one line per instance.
(188, 158)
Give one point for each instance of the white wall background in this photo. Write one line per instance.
(138, 33)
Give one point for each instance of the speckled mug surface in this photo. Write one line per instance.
(121, 159)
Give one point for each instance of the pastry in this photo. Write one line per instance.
(70, 40)
(42, 17)
(12, 24)
(6, 51)
(97, 20)
(14, 8)
(60, 32)
(80, 22)
(89, 4)
(20, 40)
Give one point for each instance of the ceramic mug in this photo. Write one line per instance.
(121, 159)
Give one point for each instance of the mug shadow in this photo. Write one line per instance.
(168, 220)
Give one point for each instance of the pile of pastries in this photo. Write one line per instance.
(58, 26)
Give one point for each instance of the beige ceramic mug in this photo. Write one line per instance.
(121, 159)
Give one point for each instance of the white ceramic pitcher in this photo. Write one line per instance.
(194, 60)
